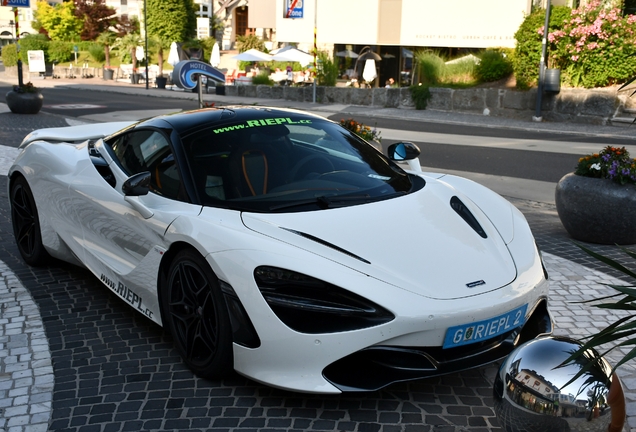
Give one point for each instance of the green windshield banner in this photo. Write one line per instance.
(261, 123)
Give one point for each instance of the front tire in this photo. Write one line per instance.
(196, 315)
(26, 224)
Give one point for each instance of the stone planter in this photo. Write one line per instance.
(597, 210)
(109, 74)
(24, 103)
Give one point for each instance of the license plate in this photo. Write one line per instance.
(482, 330)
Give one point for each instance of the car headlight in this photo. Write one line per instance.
(310, 305)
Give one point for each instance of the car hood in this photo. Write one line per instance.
(416, 242)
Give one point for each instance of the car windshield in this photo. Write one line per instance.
(289, 164)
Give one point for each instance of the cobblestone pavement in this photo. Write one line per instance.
(116, 371)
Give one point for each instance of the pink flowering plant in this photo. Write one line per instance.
(595, 47)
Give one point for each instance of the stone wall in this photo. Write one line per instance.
(578, 105)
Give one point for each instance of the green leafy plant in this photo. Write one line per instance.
(60, 51)
(247, 42)
(358, 128)
(262, 79)
(622, 332)
(327, 70)
(97, 53)
(10, 55)
(420, 95)
(528, 48)
(33, 42)
(434, 70)
(493, 66)
(611, 163)
(431, 68)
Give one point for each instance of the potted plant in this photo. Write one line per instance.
(597, 202)
(372, 136)
(24, 99)
(128, 46)
(107, 39)
(160, 45)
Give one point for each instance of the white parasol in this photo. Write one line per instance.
(294, 55)
(215, 58)
(139, 53)
(253, 55)
(173, 57)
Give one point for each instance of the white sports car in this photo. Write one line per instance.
(279, 244)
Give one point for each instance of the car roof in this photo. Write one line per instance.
(190, 121)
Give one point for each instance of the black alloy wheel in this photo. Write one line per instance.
(196, 314)
(26, 225)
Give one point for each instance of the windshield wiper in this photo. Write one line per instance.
(326, 202)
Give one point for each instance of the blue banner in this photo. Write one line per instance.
(185, 71)
(16, 3)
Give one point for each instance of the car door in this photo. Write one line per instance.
(124, 235)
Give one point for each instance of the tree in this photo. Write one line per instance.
(97, 17)
(128, 45)
(106, 39)
(59, 22)
(171, 20)
(160, 45)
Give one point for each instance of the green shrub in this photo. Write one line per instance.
(431, 68)
(459, 71)
(10, 55)
(247, 42)
(97, 53)
(33, 42)
(528, 49)
(60, 51)
(327, 71)
(420, 95)
(262, 78)
(493, 66)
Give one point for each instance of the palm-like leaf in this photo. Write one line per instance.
(622, 329)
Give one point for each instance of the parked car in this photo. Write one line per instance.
(279, 244)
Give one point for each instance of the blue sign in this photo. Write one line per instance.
(184, 72)
(294, 8)
(16, 3)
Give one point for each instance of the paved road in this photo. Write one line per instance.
(115, 371)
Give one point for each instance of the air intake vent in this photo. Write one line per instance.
(463, 211)
(325, 243)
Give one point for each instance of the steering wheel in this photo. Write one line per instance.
(319, 160)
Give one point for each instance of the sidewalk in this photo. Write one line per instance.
(25, 390)
(432, 116)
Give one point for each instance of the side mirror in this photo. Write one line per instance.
(137, 185)
(403, 151)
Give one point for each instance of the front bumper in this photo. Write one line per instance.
(378, 366)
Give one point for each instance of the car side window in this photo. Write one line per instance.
(148, 150)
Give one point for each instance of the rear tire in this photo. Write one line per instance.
(26, 224)
(196, 315)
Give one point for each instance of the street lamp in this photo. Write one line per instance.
(146, 40)
(365, 54)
